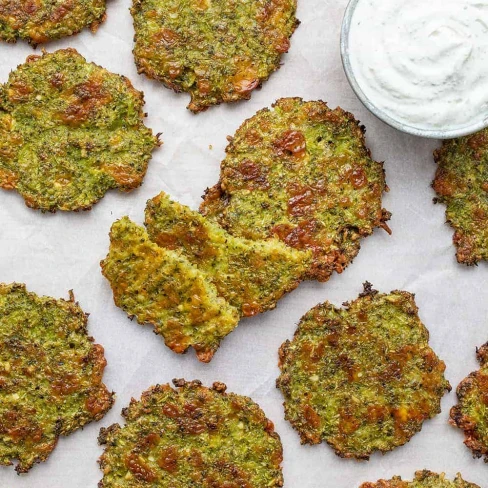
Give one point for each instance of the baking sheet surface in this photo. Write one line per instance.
(55, 253)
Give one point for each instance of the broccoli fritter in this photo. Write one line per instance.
(362, 378)
(69, 132)
(161, 287)
(423, 479)
(461, 183)
(50, 375)
(301, 172)
(191, 436)
(216, 50)
(471, 413)
(39, 21)
(251, 275)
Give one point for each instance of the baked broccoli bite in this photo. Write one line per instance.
(69, 132)
(471, 413)
(216, 50)
(39, 21)
(251, 275)
(423, 479)
(301, 172)
(461, 183)
(50, 375)
(161, 287)
(191, 436)
(361, 378)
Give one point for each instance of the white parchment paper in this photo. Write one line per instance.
(55, 253)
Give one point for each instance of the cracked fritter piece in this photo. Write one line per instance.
(251, 275)
(471, 413)
(216, 50)
(50, 375)
(362, 378)
(301, 172)
(39, 21)
(191, 436)
(423, 479)
(69, 132)
(461, 183)
(161, 287)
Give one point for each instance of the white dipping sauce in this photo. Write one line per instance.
(423, 62)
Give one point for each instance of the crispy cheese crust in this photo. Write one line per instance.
(251, 275)
(423, 479)
(362, 378)
(471, 413)
(161, 287)
(50, 375)
(301, 172)
(216, 50)
(191, 436)
(39, 21)
(69, 132)
(461, 183)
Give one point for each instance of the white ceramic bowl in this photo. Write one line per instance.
(433, 134)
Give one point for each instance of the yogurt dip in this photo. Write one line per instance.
(423, 63)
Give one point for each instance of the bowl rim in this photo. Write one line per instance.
(380, 114)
